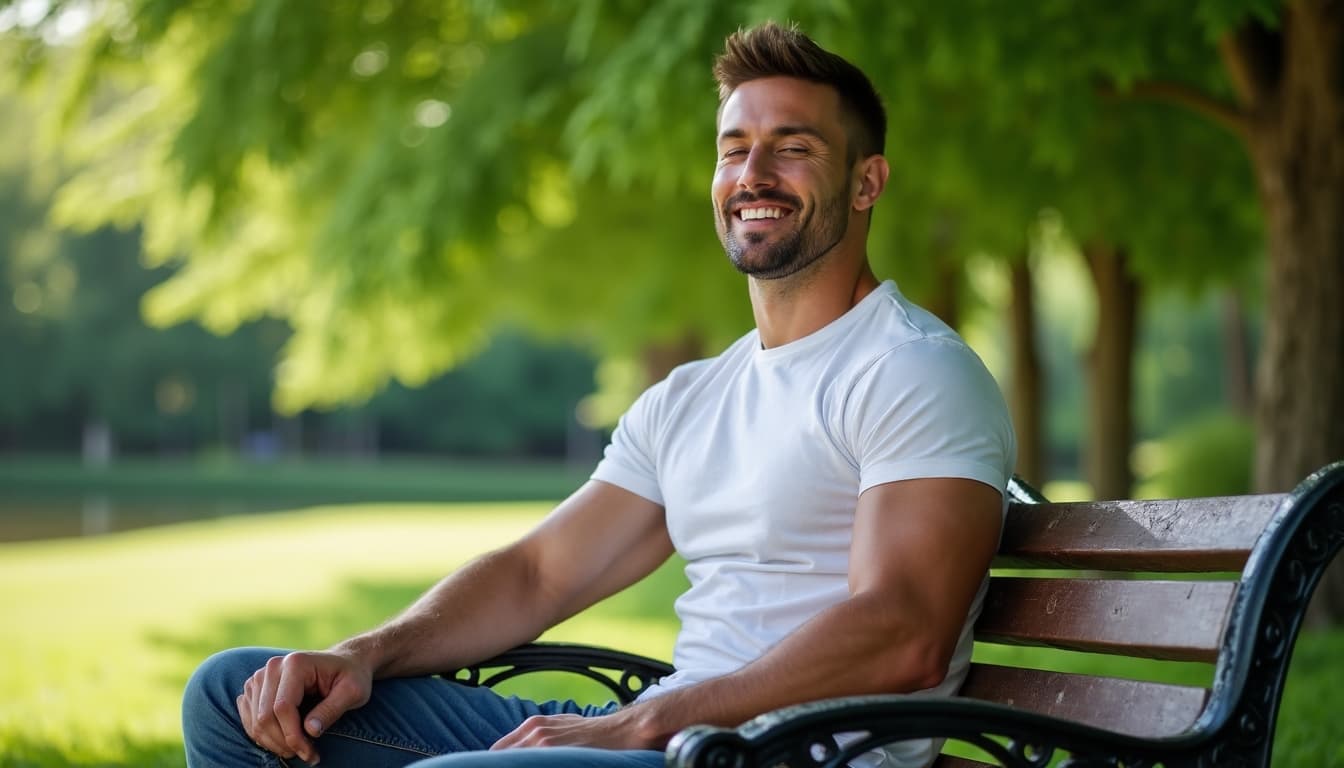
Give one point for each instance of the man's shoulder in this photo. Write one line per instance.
(897, 331)
(894, 320)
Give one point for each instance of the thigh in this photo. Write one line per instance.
(405, 720)
(550, 757)
(409, 719)
(426, 716)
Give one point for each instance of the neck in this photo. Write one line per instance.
(790, 308)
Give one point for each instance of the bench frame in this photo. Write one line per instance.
(1235, 728)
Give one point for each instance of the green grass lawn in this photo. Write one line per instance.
(100, 634)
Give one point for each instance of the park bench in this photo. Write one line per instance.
(1220, 580)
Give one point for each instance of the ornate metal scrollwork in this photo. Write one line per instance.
(1236, 729)
(634, 673)
(1299, 543)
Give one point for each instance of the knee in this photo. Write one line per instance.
(217, 682)
(212, 731)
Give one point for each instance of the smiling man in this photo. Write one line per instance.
(834, 480)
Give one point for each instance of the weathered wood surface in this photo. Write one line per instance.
(1172, 620)
(1132, 707)
(1213, 534)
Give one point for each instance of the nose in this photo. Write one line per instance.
(758, 172)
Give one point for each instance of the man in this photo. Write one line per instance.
(835, 481)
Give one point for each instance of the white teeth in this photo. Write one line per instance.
(748, 214)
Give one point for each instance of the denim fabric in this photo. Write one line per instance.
(426, 722)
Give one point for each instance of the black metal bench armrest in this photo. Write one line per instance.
(634, 672)
(802, 736)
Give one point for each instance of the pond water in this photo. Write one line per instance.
(29, 519)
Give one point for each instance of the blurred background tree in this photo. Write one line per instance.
(397, 181)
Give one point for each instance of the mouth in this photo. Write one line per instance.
(764, 212)
(758, 215)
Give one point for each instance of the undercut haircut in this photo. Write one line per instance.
(773, 50)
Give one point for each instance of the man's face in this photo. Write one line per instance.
(782, 185)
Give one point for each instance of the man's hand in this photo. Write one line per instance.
(614, 731)
(269, 704)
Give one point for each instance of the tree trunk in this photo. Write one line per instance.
(1290, 84)
(1110, 372)
(1026, 390)
(660, 358)
(945, 297)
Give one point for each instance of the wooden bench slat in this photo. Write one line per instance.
(1142, 709)
(1171, 620)
(1210, 534)
(1134, 707)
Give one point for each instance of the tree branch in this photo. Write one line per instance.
(1227, 115)
(1238, 69)
(1251, 54)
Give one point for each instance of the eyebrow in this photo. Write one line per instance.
(778, 132)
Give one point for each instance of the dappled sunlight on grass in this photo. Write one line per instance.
(102, 633)
(26, 751)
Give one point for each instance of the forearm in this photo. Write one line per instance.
(859, 646)
(597, 542)
(486, 607)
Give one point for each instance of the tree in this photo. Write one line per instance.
(446, 205)
(559, 122)
(1288, 113)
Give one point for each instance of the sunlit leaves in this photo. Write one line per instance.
(396, 179)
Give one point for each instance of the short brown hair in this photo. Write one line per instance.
(772, 50)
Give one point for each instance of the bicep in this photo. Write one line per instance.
(598, 541)
(927, 544)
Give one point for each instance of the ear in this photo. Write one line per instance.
(870, 178)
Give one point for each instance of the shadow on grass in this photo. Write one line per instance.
(361, 605)
(1307, 734)
(130, 752)
(366, 603)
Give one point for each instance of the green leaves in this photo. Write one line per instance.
(397, 179)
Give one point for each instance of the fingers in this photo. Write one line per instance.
(518, 736)
(543, 731)
(345, 694)
(264, 701)
(245, 710)
(295, 679)
(268, 706)
(247, 704)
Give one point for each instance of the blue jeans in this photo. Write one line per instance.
(427, 722)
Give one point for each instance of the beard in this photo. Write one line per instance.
(814, 237)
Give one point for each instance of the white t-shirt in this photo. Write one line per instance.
(759, 456)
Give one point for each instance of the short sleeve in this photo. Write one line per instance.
(929, 408)
(628, 461)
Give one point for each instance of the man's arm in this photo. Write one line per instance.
(920, 550)
(595, 543)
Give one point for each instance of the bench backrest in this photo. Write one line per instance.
(1165, 579)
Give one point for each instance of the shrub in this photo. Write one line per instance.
(1210, 456)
